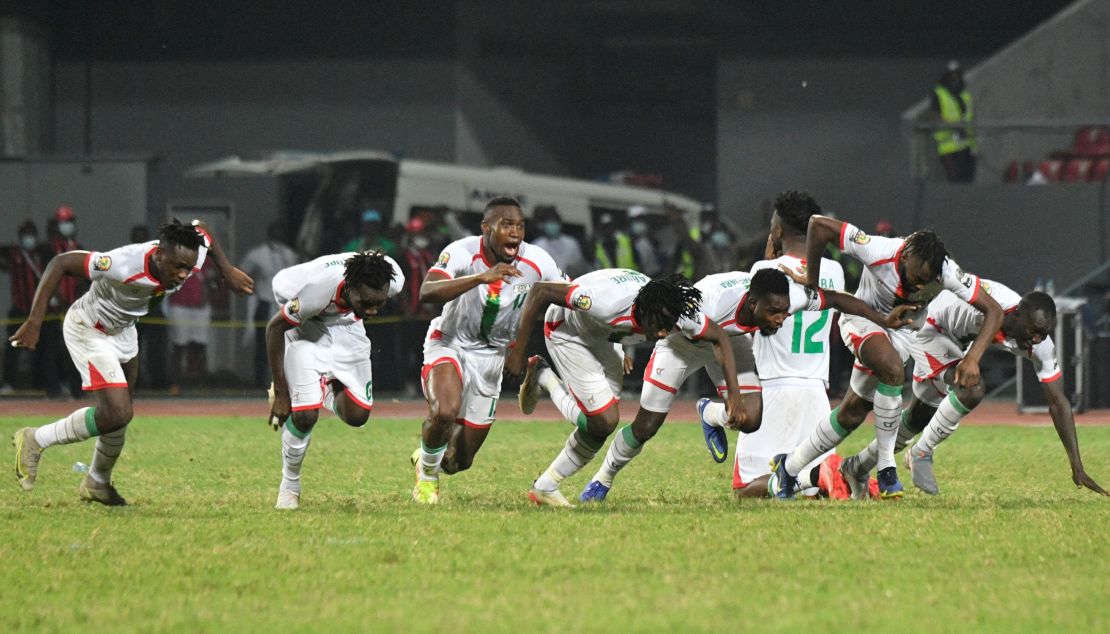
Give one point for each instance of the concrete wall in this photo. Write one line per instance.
(838, 136)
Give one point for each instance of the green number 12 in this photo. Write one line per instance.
(811, 346)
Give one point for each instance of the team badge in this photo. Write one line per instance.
(986, 287)
(102, 263)
(860, 237)
(295, 306)
(444, 258)
(583, 302)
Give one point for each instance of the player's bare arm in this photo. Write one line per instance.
(439, 288)
(275, 353)
(851, 305)
(967, 371)
(722, 350)
(1064, 422)
(541, 295)
(71, 263)
(239, 282)
(821, 232)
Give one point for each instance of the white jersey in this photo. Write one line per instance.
(486, 317)
(880, 287)
(724, 294)
(962, 323)
(312, 290)
(800, 349)
(122, 286)
(601, 305)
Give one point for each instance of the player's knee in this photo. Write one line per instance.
(600, 426)
(305, 420)
(443, 412)
(971, 396)
(753, 415)
(113, 415)
(357, 417)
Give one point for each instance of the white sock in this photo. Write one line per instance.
(563, 399)
(78, 426)
(622, 450)
(108, 448)
(888, 411)
(826, 434)
(293, 448)
(715, 414)
(869, 455)
(942, 425)
(329, 400)
(575, 455)
(430, 459)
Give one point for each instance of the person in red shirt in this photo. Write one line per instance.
(24, 262)
(59, 375)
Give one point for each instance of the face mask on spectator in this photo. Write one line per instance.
(420, 242)
(28, 241)
(720, 239)
(639, 228)
(552, 228)
(67, 229)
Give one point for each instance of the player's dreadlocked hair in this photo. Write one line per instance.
(664, 300)
(1038, 302)
(368, 268)
(926, 245)
(500, 201)
(173, 232)
(795, 209)
(768, 282)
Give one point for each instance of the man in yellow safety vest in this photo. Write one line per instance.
(951, 106)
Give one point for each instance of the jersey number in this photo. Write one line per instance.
(810, 345)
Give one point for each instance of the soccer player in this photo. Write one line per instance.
(897, 271)
(585, 326)
(318, 350)
(483, 281)
(938, 403)
(99, 331)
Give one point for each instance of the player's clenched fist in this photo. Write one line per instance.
(26, 337)
(500, 271)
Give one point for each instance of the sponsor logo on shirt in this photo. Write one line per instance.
(859, 237)
(102, 263)
(583, 302)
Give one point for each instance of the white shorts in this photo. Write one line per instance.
(592, 373)
(315, 354)
(854, 330)
(99, 356)
(676, 359)
(792, 408)
(189, 325)
(480, 373)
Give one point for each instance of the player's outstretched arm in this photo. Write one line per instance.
(237, 281)
(69, 263)
(1064, 421)
(822, 230)
(722, 350)
(851, 305)
(967, 371)
(439, 288)
(540, 296)
(275, 354)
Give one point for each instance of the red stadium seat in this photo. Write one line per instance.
(1099, 170)
(1011, 173)
(1091, 141)
(1051, 170)
(1076, 170)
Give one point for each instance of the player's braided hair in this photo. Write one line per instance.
(500, 201)
(173, 232)
(1038, 302)
(795, 209)
(368, 268)
(926, 245)
(664, 300)
(768, 282)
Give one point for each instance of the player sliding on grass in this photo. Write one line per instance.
(99, 331)
(318, 350)
(897, 271)
(585, 326)
(483, 280)
(938, 403)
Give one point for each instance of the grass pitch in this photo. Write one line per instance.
(1009, 545)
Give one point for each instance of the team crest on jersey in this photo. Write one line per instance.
(986, 287)
(102, 263)
(295, 306)
(583, 302)
(859, 237)
(444, 258)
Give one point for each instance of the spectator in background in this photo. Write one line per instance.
(373, 237)
(720, 247)
(24, 262)
(262, 263)
(643, 246)
(884, 228)
(59, 373)
(562, 248)
(688, 256)
(950, 105)
(190, 316)
(417, 259)
(612, 247)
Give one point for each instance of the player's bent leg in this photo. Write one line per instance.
(958, 403)
(829, 432)
(349, 410)
(914, 418)
(296, 436)
(443, 389)
(879, 355)
(626, 445)
(580, 448)
(466, 440)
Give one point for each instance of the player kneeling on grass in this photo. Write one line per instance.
(939, 403)
(99, 331)
(319, 352)
(585, 326)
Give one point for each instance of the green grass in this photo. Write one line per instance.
(1009, 545)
